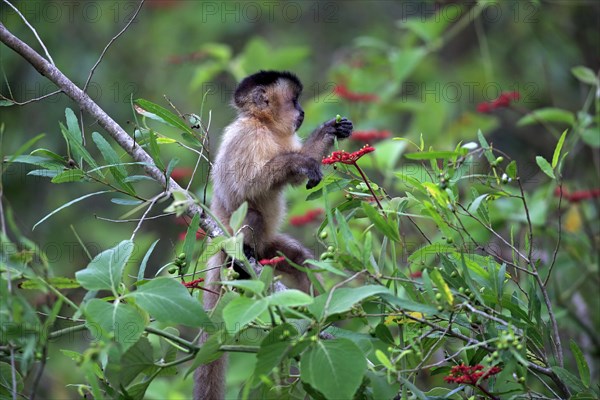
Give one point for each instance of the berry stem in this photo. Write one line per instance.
(364, 177)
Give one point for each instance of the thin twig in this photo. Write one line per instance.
(22, 103)
(152, 202)
(32, 30)
(538, 278)
(89, 78)
(120, 221)
(555, 253)
(337, 286)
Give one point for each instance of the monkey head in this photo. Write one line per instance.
(271, 97)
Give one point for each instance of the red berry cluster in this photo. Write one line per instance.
(347, 158)
(578, 195)
(306, 218)
(502, 101)
(195, 284)
(343, 92)
(369, 136)
(470, 374)
(271, 261)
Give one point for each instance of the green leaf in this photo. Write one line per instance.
(477, 202)
(6, 381)
(382, 389)
(343, 299)
(571, 380)
(68, 204)
(381, 224)
(42, 161)
(289, 298)
(70, 175)
(590, 136)
(190, 241)
(154, 151)
(165, 140)
(383, 359)
(72, 135)
(489, 155)
(511, 169)
(334, 367)
(109, 154)
(558, 148)
(405, 61)
(545, 166)
(121, 322)
(273, 349)
(241, 311)
(249, 285)
(126, 202)
(105, 271)
(58, 282)
(161, 114)
(585, 75)
(234, 246)
(549, 114)
(134, 361)
(208, 352)
(172, 164)
(409, 305)
(142, 270)
(420, 395)
(111, 157)
(238, 216)
(432, 155)
(25, 146)
(167, 300)
(442, 286)
(582, 365)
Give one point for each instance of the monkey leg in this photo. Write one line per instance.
(296, 252)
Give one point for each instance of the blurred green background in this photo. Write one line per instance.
(429, 62)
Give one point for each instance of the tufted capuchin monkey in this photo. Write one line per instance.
(259, 155)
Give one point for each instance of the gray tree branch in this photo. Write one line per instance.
(88, 105)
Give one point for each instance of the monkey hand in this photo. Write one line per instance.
(310, 168)
(340, 129)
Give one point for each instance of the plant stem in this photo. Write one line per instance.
(185, 343)
(538, 278)
(364, 177)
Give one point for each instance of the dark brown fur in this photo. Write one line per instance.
(259, 155)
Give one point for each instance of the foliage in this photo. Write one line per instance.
(449, 275)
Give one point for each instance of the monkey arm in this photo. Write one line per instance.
(320, 141)
(285, 168)
(296, 252)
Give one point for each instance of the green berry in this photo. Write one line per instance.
(173, 270)
(331, 249)
(338, 118)
(323, 235)
(438, 296)
(181, 256)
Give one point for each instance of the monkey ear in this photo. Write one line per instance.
(259, 97)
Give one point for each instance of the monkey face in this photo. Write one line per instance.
(289, 111)
(300, 117)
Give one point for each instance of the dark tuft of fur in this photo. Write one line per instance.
(264, 79)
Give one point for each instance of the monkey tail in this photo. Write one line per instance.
(209, 379)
